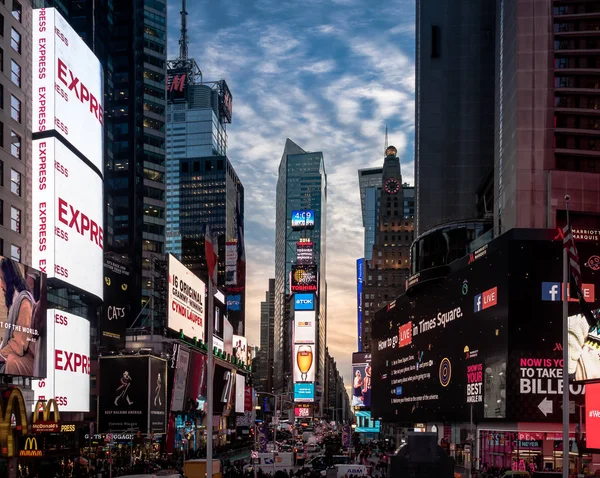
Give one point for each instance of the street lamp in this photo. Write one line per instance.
(276, 396)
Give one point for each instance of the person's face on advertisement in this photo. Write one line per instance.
(2, 283)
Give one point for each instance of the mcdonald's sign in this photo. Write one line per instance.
(11, 397)
(30, 448)
(45, 424)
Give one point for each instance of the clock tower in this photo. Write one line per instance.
(386, 274)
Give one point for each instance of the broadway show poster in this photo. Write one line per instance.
(180, 379)
(224, 391)
(158, 395)
(123, 397)
(196, 383)
(116, 311)
(23, 306)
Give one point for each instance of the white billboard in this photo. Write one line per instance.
(180, 379)
(68, 220)
(67, 86)
(186, 300)
(304, 363)
(240, 348)
(68, 358)
(240, 383)
(304, 327)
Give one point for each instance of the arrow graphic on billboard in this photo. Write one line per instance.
(546, 406)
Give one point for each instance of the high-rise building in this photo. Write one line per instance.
(15, 132)
(547, 141)
(337, 403)
(202, 185)
(369, 182)
(301, 186)
(454, 120)
(264, 371)
(383, 277)
(130, 40)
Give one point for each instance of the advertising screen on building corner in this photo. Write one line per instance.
(68, 227)
(186, 300)
(67, 86)
(304, 278)
(592, 415)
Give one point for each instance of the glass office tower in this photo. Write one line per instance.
(301, 185)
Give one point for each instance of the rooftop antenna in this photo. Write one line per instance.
(183, 40)
(386, 134)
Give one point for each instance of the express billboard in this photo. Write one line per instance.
(185, 300)
(361, 380)
(23, 304)
(68, 227)
(67, 86)
(304, 327)
(304, 363)
(68, 362)
(487, 340)
(304, 278)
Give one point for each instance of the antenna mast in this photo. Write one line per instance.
(386, 134)
(183, 40)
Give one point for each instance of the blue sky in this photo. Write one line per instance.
(328, 74)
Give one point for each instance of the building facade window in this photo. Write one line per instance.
(15, 73)
(15, 145)
(15, 253)
(15, 108)
(15, 40)
(17, 10)
(15, 182)
(15, 219)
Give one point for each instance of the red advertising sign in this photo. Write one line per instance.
(248, 399)
(592, 413)
(405, 334)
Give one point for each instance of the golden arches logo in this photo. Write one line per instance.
(30, 449)
(30, 443)
(45, 409)
(7, 438)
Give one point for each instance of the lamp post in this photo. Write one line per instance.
(276, 396)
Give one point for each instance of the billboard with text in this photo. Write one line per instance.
(304, 327)
(361, 380)
(186, 299)
(67, 86)
(304, 278)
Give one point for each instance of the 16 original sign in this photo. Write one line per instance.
(68, 228)
(186, 300)
(67, 85)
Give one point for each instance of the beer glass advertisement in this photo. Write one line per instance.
(361, 379)
(123, 394)
(23, 306)
(158, 395)
(116, 312)
(196, 382)
(304, 363)
(180, 379)
(223, 391)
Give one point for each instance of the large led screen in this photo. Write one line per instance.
(186, 300)
(240, 348)
(304, 301)
(361, 380)
(366, 424)
(180, 379)
(304, 327)
(68, 227)
(240, 386)
(304, 363)
(67, 86)
(304, 392)
(23, 303)
(304, 219)
(592, 415)
(68, 362)
(223, 390)
(304, 278)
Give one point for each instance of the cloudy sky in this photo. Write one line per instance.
(330, 75)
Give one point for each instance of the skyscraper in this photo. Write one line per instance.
(301, 186)
(454, 119)
(384, 275)
(369, 182)
(264, 371)
(202, 185)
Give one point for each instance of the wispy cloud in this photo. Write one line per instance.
(330, 76)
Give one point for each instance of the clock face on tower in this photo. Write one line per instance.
(391, 186)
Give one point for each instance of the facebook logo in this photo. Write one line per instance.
(398, 390)
(477, 303)
(551, 291)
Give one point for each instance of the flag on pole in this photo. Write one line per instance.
(241, 246)
(211, 251)
(575, 281)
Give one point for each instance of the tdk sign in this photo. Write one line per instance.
(304, 302)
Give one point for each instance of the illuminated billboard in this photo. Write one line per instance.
(592, 415)
(304, 278)
(304, 302)
(365, 424)
(361, 380)
(303, 410)
(67, 86)
(240, 389)
(304, 392)
(360, 278)
(185, 300)
(304, 219)
(240, 348)
(304, 363)
(304, 327)
(68, 362)
(68, 220)
(304, 253)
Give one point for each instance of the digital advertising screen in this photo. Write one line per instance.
(116, 309)
(366, 424)
(68, 362)
(304, 363)
(23, 305)
(304, 219)
(158, 395)
(360, 278)
(240, 387)
(224, 390)
(592, 416)
(67, 86)
(227, 336)
(180, 378)
(185, 300)
(361, 380)
(304, 278)
(68, 221)
(304, 302)
(123, 398)
(304, 253)
(196, 382)
(304, 392)
(240, 348)
(304, 327)
(303, 410)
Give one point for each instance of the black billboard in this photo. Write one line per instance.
(123, 396)
(158, 395)
(304, 278)
(116, 311)
(223, 391)
(485, 338)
